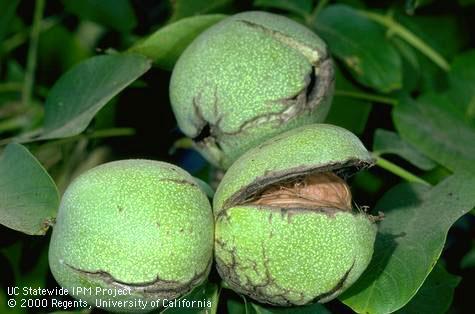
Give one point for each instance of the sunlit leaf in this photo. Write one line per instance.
(167, 43)
(81, 92)
(435, 127)
(409, 242)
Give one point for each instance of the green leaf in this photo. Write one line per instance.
(205, 187)
(117, 14)
(300, 7)
(8, 9)
(315, 308)
(29, 199)
(412, 5)
(466, 2)
(387, 142)
(433, 125)
(435, 295)
(345, 111)
(462, 89)
(186, 8)
(442, 33)
(82, 91)
(29, 259)
(409, 242)
(234, 306)
(165, 46)
(207, 294)
(411, 67)
(468, 260)
(362, 46)
(58, 50)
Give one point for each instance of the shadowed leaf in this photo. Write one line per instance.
(29, 199)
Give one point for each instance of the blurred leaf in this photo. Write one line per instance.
(26, 119)
(442, 33)
(468, 260)
(186, 8)
(362, 45)
(411, 67)
(368, 182)
(117, 14)
(387, 142)
(208, 292)
(432, 77)
(345, 111)
(315, 308)
(165, 46)
(205, 187)
(15, 71)
(36, 274)
(466, 2)
(89, 34)
(409, 242)
(412, 5)
(70, 312)
(432, 125)
(29, 199)
(419, 72)
(435, 295)
(82, 91)
(7, 9)
(58, 50)
(8, 280)
(300, 7)
(462, 88)
(356, 4)
(30, 262)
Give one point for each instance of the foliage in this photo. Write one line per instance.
(85, 82)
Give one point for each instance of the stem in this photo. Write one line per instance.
(400, 172)
(10, 87)
(19, 38)
(113, 132)
(32, 52)
(366, 96)
(410, 37)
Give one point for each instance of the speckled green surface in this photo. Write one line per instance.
(292, 257)
(308, 147)
(241, 77)
(132, 222)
